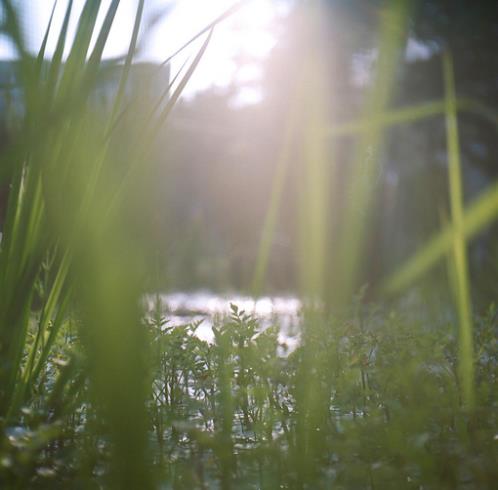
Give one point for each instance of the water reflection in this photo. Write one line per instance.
(181, 308)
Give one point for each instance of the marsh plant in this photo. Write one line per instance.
(97, 392)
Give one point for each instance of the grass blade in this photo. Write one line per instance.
(41, 53)
(127, 65)
(462, 286)
(360, 193)
(270, 223)
(229, 12)
(56, 62)
(477, 216)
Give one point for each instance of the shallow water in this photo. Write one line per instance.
(185, 307)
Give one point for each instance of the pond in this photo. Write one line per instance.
(185, 307)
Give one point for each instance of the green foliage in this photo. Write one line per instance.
(66, 241)
(235, 413)
(96, 393)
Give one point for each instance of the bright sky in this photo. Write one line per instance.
(250, 33)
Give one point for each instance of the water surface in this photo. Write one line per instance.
(181, 308)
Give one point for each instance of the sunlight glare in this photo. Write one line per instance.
(245, 38)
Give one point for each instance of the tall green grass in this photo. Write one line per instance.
(346, 256)
(66, 241)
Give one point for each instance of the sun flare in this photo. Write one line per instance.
(244, 39)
